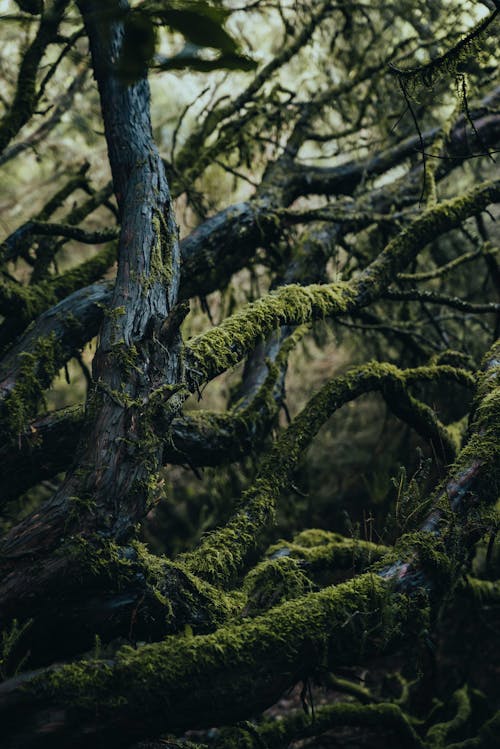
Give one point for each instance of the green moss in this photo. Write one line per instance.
(25, 303)
(221, 554)
(166, 683)
(218, 349)
(299, 725)
(448, 64)
(317, 537)
(431, 557)
(127, 357)
(170, 594)
(198, 599)
(36, 371)
(353, 689)
(274, 581)
(78, 507)
(324, 553)
(439, 734)
(102, 559)
(160, 264)
(457, 431)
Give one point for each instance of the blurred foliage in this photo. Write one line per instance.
(367, 474)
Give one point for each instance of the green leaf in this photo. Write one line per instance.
(30, 6)
(138, 47)
(195, 62)
(198, 21)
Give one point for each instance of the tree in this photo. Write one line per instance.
(104, 642)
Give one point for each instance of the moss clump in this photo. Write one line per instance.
(161, 257)
(37, 369)
(323, 553)
(170, 596)
(222, 554)
(84, 684)
(195, 601)
(317, 537)
(127, 357)
(218, 349)
(421, 560)
(274, 581)
(165, 684)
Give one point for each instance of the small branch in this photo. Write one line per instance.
(443, 300)
(26, 97)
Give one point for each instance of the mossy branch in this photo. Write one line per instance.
(300, 725)
(222, 554)
(442, 270)
(438, 735)
(42, 448)
(31, 364)
(163, 686)
(23, 304)
(222, 347)
(443, 300)
(322, 552)
(447, 63)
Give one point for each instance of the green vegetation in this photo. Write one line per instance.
(249, 374)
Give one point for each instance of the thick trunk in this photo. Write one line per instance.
(135, 372)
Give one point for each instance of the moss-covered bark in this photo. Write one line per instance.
(213, 352)
(183, 682)
(158, 645)
(222, 554)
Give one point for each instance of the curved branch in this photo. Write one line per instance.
(22, 304)
(382, 716)
(30, 365)
(159, 685)
(220, 348)
(222, 554)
